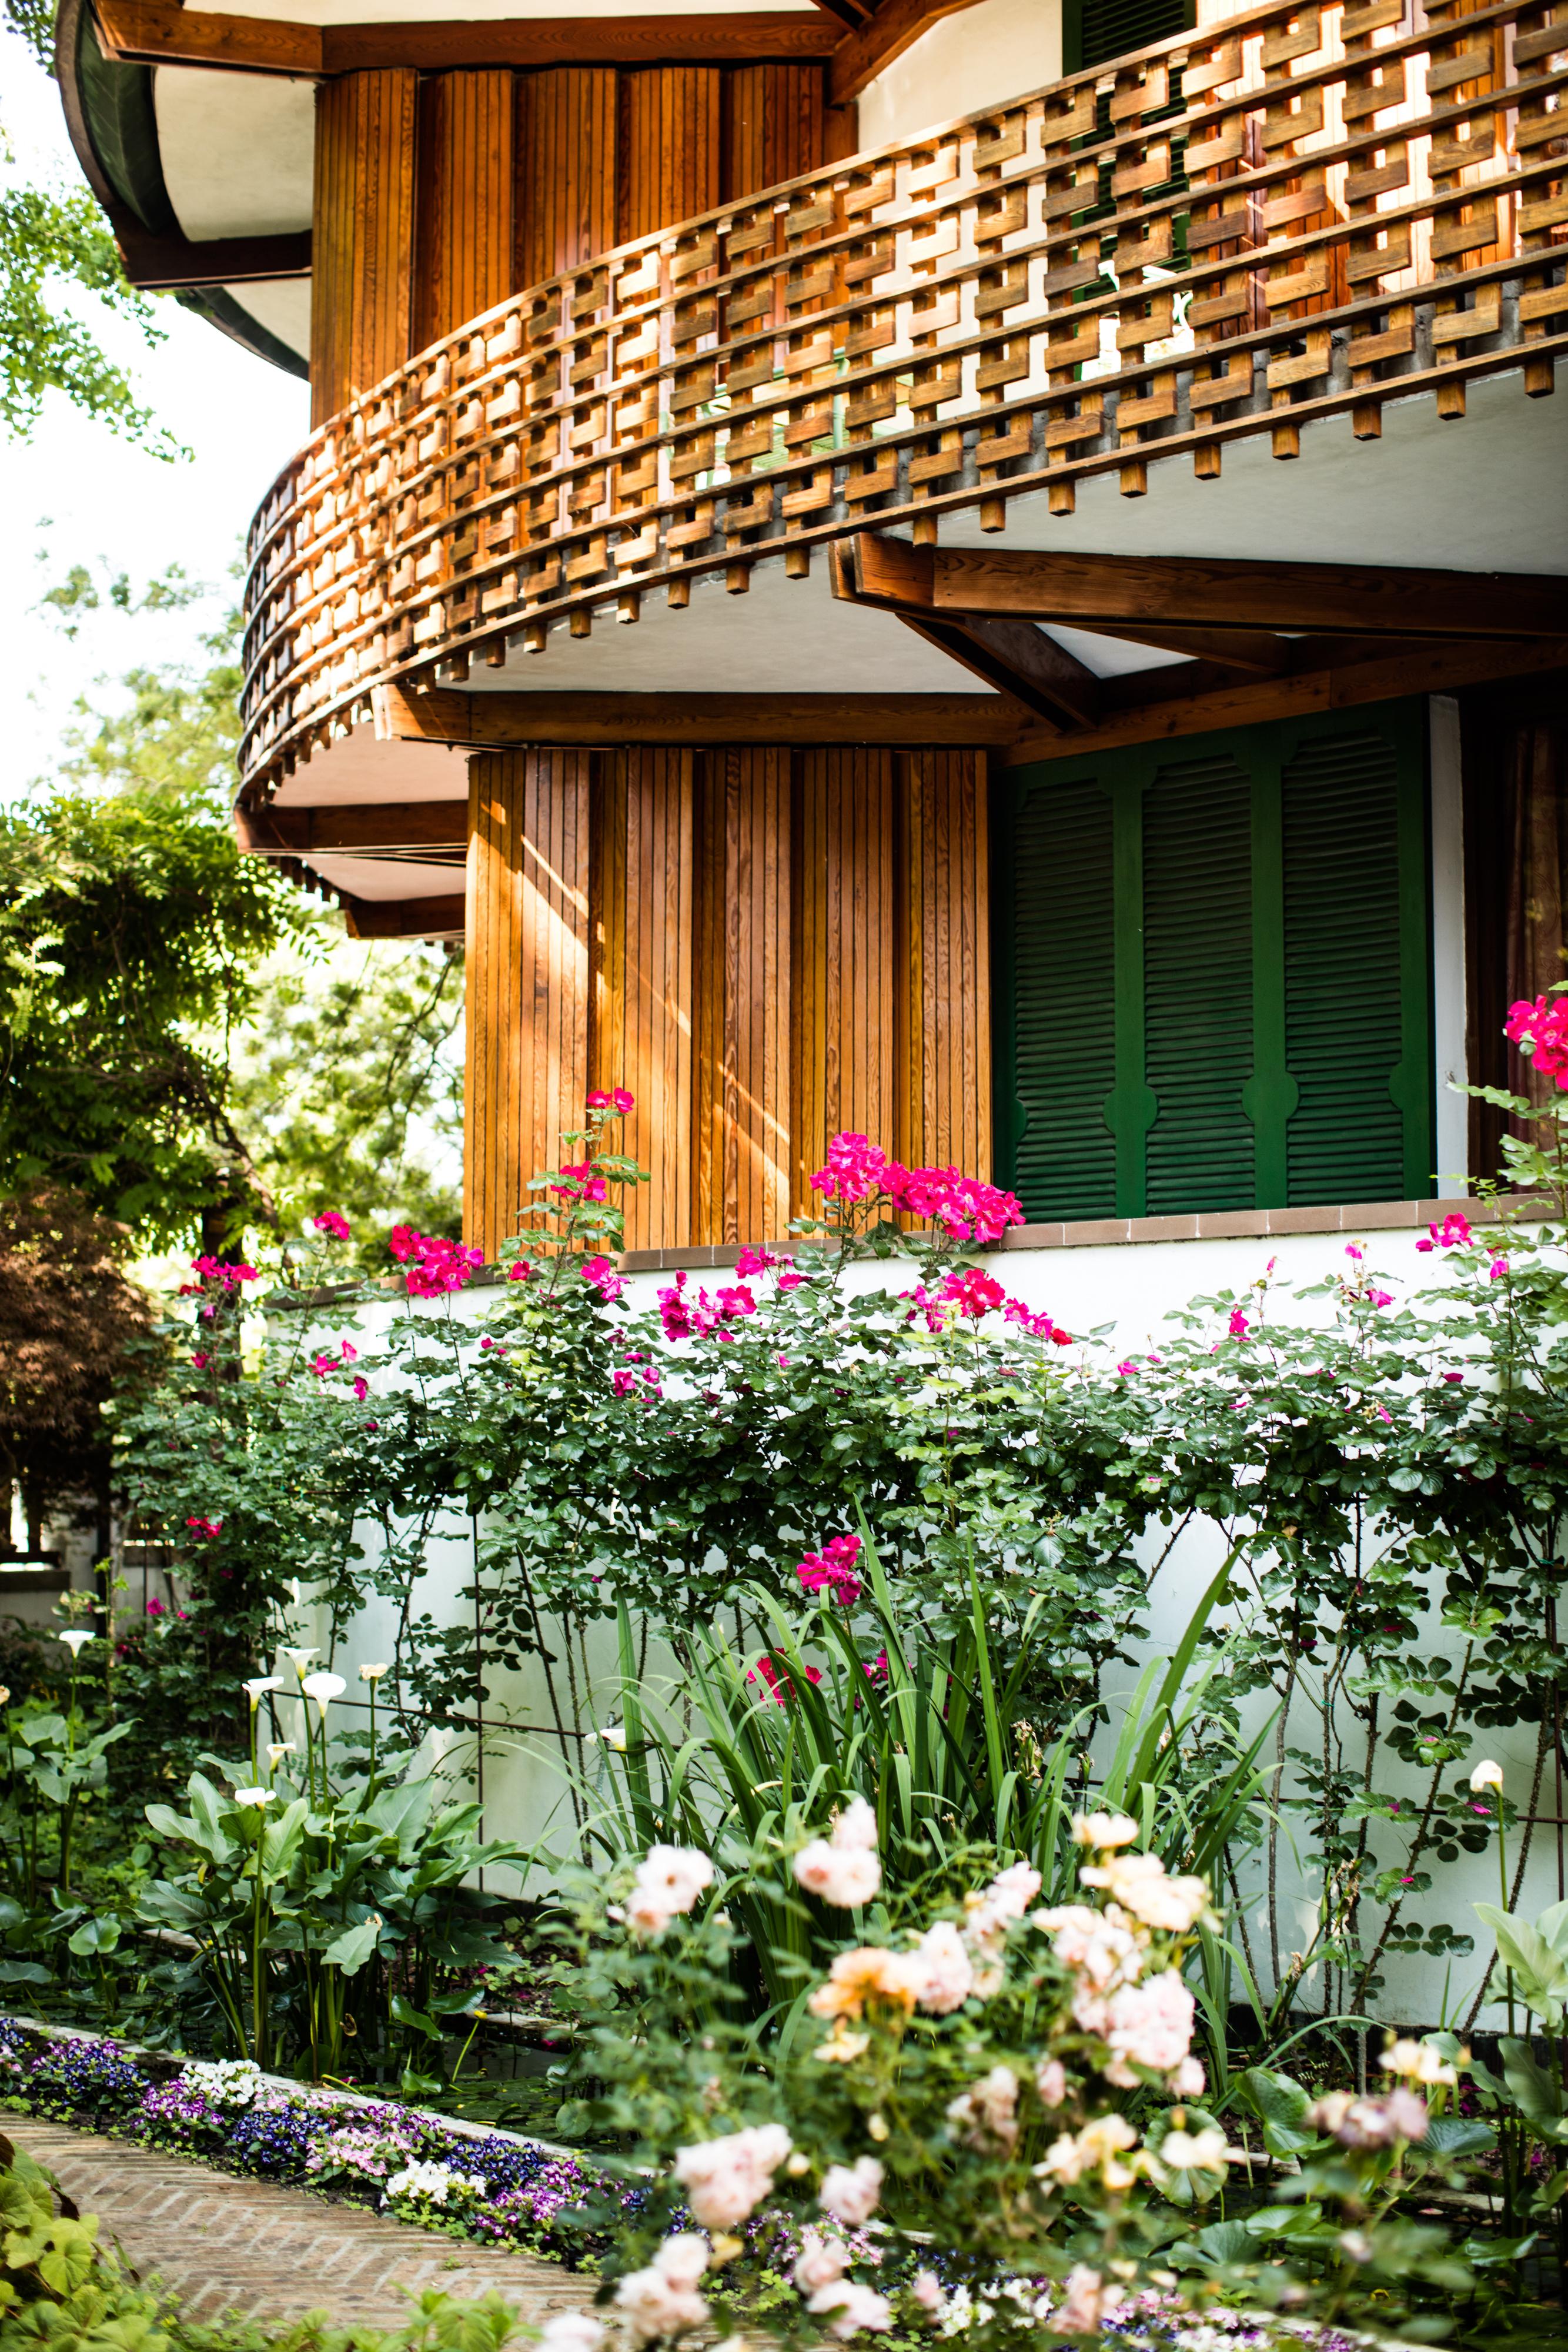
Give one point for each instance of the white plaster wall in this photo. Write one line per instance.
(982, 56)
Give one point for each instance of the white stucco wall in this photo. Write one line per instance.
(994, 51)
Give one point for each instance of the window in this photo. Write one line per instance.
(1214, 972)
(1094, 31)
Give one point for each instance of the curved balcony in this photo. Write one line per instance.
(1300, 211)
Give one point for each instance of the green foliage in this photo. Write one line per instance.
(58, 2287)
(929, 1736)
(307, 1907)
(52, 243)
(129, 926)
(349, 1085)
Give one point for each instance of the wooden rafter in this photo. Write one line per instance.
(886, 34)
(160, 264)
(154, 32)
(500, 720)
(1169, 596)
(404, 919)
(355, 829)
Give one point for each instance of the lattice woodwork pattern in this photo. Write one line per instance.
(764, 945)
(528, 980)
(362, 214)
(1299, 212)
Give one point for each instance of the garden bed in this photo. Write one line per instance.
(441, 2172)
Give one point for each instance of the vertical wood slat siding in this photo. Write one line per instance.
(464, 253)
(566, 148)
(773, 127)
(528, 993)
(670, 147)
(740, 1131)
(942, 1002)
(846, 975)
(643, 1031)
(362, 224)
(766, 947)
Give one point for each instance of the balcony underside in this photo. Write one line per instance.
(1276, 290)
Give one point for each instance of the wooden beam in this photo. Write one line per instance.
(155, 32)
(404, 919)
(1014, 656)
(160, 31)
(1131, 716)
(159, 264)
(1019, 660)
(738, 38)
(496, 721)
(354, 828)
(1359, 599)
(895, 26)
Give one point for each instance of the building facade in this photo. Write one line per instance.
(995, 575)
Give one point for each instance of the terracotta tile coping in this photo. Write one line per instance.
(1218, 1225)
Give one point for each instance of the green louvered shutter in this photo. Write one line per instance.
(1063, 993)
(1197, 983)
(1215, 992)
(1094, 31)
(1347, 1007)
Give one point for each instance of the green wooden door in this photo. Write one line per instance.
(1214, 987)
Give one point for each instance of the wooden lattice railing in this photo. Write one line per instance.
(1300, 211)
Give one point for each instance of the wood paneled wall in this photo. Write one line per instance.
(465, 255)
(670, 145)
(527, 992)
(942, 994)
(566, 169)
(436, 196)
(362, 228)
(764, 946)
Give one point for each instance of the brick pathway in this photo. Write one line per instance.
(224, 2244)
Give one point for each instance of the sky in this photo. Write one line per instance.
(77, 494)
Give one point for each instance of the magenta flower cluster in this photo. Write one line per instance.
(435, 1265)
(1543, 1027)
(333, 1222)
(694, 1317)
(970, 1291)
(966, 1209)
(832, 1570)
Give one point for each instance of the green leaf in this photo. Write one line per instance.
(353, 1947)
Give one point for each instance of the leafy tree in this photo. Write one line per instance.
(129, 932)
(318, 1072)
(54, 241)
(68, 1319)
(348, 1084)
